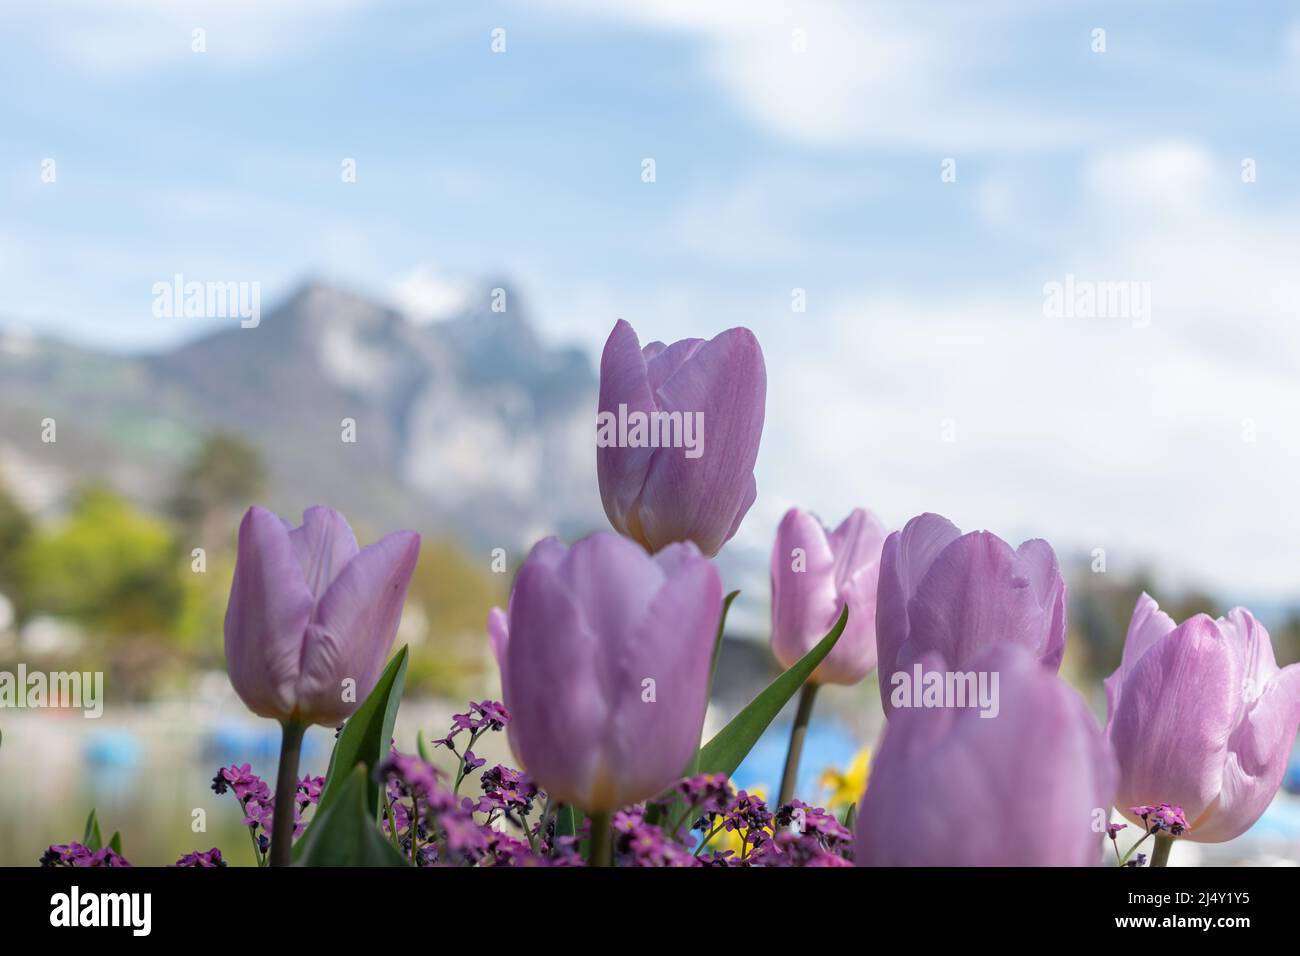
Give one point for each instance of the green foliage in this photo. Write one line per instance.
(107, 566)
(728, 748)
(365, 741)
(345, 833)
(225, 474)
(451, 593)
(15, 530)
(91, 836)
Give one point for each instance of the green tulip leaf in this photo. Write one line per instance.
(365, 741)
(566, 822)
(92, 838)
(345, 834)
(717, 641)
(733, 742)
(115, 844)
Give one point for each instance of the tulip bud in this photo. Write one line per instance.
(311, 617)
(677, 436)
(953, 594)
(1201, 717)
(814, 574)
(605, 656)
(1031, 786)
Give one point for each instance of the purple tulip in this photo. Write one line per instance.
(310, 611)
(605, 658)
(686, 471)
(816, 572)
(955, 594)
(1031, 786)
(1201, 717)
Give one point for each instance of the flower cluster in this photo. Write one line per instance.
(482, 716)
(730, 828)
(511, 822)
(78, 854)
(1162, 817)
(202, 859)
(258, 803)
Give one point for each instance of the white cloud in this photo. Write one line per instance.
(105, 37)
(1177, 444)
(1170, 177)
(876, 73)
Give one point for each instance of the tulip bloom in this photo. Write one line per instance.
(955, 594)
(814, 574)
(1201, 717)
(309, 610)
(1029, 787)
(677, 436)
(605, 656)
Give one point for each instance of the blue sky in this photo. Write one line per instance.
(1178, 442)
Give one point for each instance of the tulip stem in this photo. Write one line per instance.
(286, 791)
(1160, 855)
(600, 851)
(797, 733)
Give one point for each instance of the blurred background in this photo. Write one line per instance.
(445, 207)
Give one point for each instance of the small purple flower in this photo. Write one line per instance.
(638, 843)
(1112, 830)
(1162, 817)
(202, 859)
(80, 855)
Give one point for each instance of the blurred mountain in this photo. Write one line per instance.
(469, 424)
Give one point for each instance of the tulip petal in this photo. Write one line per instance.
(856, 542)
(663, 361)
(700, 499)
(920, 542)
(854, 655)
(498, 628)
(621, 471)
(559, 713)
(1258, 752)
(951, 788)
(1254, 649)
(270, 606)
(323, 546)
(1036, 561)
(613, 581)
(672, 647)
(354, 626)
(805, 603)
(973, 596)
(1177, 711)
(1147, 625)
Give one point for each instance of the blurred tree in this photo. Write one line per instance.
(449, 600)
(1286, 641)
(15, 530)
(109, 567)
(224, 476)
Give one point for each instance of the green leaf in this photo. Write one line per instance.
(733, 742)
(717, 641)
(365, 741)
(421, 748)
(367, 737)
(116, 843)
(92, 838)
(345, 834)
(566, 822)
